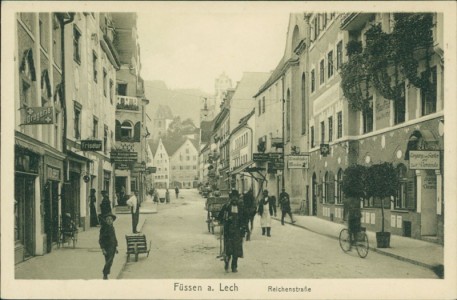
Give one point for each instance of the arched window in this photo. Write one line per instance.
(330, 187)
(126, 130)
(339, 185)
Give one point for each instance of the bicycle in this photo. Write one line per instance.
(361, 242)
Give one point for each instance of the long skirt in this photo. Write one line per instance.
(265, 219)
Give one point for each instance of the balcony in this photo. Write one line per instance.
(127, 103)
(355, 21)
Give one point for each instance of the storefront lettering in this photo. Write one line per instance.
(424, 160)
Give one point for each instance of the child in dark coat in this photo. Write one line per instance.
(108, 241)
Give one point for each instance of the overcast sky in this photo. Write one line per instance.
(188, 45)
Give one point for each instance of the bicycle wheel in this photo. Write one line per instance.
(362, 244)
(344, 239)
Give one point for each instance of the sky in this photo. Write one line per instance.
(188, 45)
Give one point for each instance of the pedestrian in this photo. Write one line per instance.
(177, 192)
(284, 202)
(105, 205)
(93, 210)
(167, 196)
(108, 241)
(266, 210)
(351, 213)
(250, 209)
(231, 216)
(135, 210)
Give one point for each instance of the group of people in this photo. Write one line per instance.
(237, 218)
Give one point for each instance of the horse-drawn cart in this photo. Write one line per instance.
(214, 206)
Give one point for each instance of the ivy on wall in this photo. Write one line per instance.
(388, 59)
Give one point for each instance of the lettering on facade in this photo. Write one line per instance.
(38, 115)
(124, 156)
(424, 160)
(260, 157)
(53, 173)
(429, 183)
(91, 145)
(298, 162)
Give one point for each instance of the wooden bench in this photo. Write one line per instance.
(136, 244)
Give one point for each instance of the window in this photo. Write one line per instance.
(325, 187)
(111, 91)
(400, 201)
(303, 104)
(313, 80)
(56, 39)
(77, 121)
(316, 26)
(330, 64)
(313, 142)
(26, 93)
(122, 89)
(105, 139)
(329, 187)
(367, 115)
(400, 106)
(330, 129)
(339, 189)
(406, 194)
(324, 20)
(263, 104)
(260, 107)
(340, 125)
(42, 38)
(428, 100)
(126, 130)
(76, 44)
(95, 127)
(105, 83)
(94, 64)
(321, 72)
(187, 157)
(322, 132)
(339, 55)
(287, 120)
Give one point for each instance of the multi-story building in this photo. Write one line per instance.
(183, 163)
(161, 161)
(130, 153)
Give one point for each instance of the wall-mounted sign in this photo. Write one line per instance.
(274, 156)
(138, 167)
(38, 115)
(124, 156)
(122, 166)
(424, 160)
(298, 161)
(325, 149)
(260, 157)
(53, 173)
(91, 145)
(151, 170)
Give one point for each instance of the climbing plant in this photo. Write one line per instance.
(389, 58)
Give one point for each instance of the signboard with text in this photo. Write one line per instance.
(37, 115)
(260, 157)
(424, 160)
(124, 156)
(298, 161)
(91, 145)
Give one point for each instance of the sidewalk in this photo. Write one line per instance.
(418, 252)
(86, 261)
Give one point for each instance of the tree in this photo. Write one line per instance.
(354, 181)
(382, 182)
(178, 128)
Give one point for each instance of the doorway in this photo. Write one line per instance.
(24, 193)
(51, 213)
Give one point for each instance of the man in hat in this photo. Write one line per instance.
(105, 205)
(232, 217)
(135, 210)
(284, 201)
(108, 241)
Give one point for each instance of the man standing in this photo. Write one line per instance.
(266, 209)
(105, 206)
(284, 202)
(232, 217)
(177, 192)
(135, 210)
(108, 241)
(93, 210)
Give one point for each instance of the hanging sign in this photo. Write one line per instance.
(424, 160)
(298, 161)
(124, 156)
(260, 157)
(37, 115)
(91, 145)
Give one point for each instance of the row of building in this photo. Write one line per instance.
(293, 128)
(79, 120)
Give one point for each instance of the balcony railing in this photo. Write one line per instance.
(127, 103)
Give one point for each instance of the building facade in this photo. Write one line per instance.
(184, 165)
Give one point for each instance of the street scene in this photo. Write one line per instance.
(232, 142)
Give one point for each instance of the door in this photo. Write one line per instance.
(314, 195)
(51, 217)
(25, 196)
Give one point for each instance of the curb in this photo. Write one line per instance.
(438, 269)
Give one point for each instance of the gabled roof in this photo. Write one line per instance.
(243, 121)
(153, 145)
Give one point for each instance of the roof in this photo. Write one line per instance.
(243, 121)
(248, 85)
(277, 73)
(206, 130)
(153, 145)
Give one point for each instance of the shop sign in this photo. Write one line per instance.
(325, 149)
(121, 166)
(151, 170)
(38, 115)
(138, 167)
(124, 156)
(91, 145)
(260, 157)
(274, 156)
(53, 173)
(298, 162)
(424, 160)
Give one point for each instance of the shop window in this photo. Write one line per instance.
(406, 194)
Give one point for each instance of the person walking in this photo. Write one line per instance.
(284, 202)
(93, 210)
(177, 192)
(108, 241)
(266, 210)
(135, 210)
(167, 196)
(231, 216)
(250, 208)
(105, 205)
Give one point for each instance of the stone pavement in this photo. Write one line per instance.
(422, 253)
(86, 260)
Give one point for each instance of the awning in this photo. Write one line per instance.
(241, 168)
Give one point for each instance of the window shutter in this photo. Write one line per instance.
(137, 132)
(411, 193)
(118, 131)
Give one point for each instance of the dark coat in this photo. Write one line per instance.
(107, 239)
(249, 203)
(271, 205)
(105, 206)
(352, 212)
(234, 227)
(284, 201)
